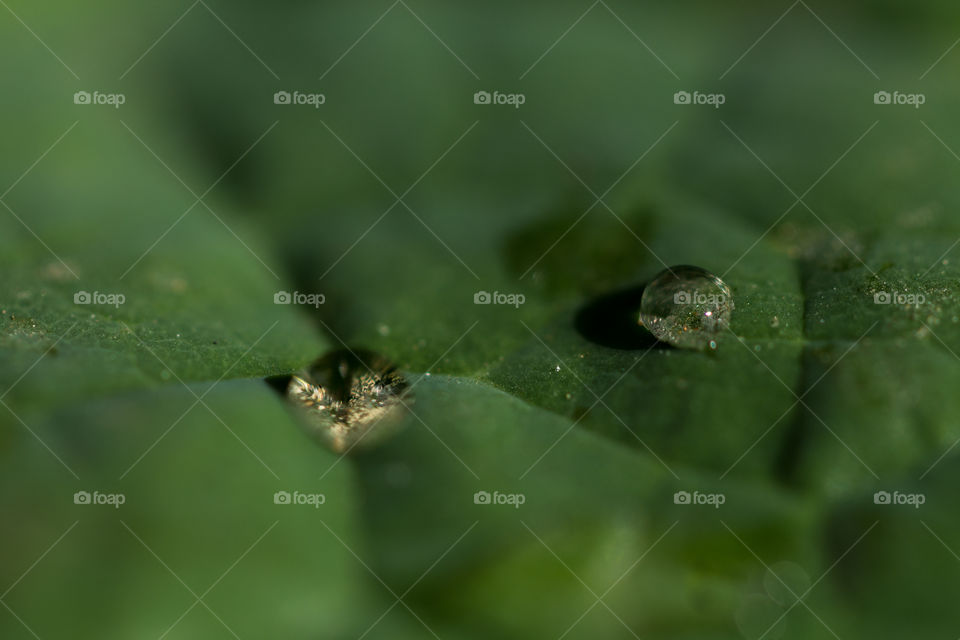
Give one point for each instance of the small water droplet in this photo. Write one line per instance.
(687, 307)
(350, 399)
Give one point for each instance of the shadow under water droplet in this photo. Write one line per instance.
(613, 320)
(347, 399)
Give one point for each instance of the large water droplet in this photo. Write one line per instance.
(687, 307)
(350, 399)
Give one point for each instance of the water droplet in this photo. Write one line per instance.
(687, 307)
(350, 399)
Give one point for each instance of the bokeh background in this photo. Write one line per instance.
(398, 199)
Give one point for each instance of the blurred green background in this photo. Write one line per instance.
(400, 197)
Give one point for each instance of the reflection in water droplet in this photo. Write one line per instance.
(687, 307)
(350, 399)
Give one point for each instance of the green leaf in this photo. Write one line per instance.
(399, 200)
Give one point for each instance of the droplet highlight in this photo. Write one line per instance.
(687, 307)
(350, 399)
